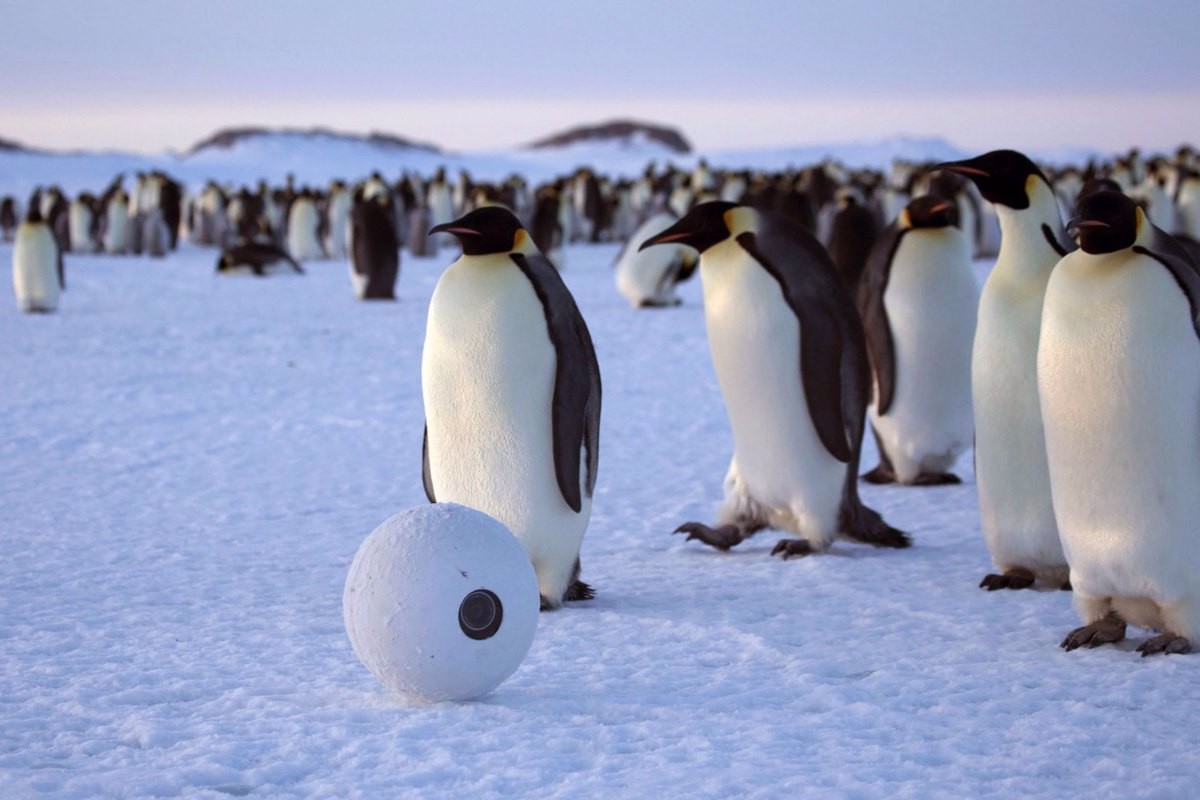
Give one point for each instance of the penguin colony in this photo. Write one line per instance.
(834, 301)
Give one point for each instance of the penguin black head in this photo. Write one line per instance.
(1096, 185)
(33, 213)
(484, 231)
(701, 228)
(1106, 222)
(1001, 175)
(930, 211)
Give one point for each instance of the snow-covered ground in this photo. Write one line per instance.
(188, 464)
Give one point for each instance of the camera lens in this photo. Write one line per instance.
(480, 614)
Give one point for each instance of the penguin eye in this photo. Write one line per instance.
(480, 614)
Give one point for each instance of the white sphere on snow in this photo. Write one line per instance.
(441, 603)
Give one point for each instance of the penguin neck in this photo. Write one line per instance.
(1024, 252)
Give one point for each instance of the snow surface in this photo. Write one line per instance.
(189, 463)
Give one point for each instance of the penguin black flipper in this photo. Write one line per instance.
(426, 476)
(822, 343)
(1058, 241)
(1171, 254)
(575, 409)
(881, 349)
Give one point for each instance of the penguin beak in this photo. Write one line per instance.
(1075, 226)
(676, 233)
(963, 168)
(940, 207)
(454, 228)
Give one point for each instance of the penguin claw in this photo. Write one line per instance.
(937, 479)
(721, 538)
(1105, 631)
(1016, 578)
(879, 476)
(787, 548)
(1165, 643)
(579, 591)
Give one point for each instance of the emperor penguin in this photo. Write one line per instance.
(852, 234)
(375, 255)
(260, 257)
(303, 220)
(439, 201)
(36, 265)
(546, 226)
(156, 235)
(115, 226)
(1187, 202)
(1119, 381)
(338, 214)
(420, 243)
(647, 278)
(82, 223)
(918, 300)
(8, 218)
(788, 349)
(1011, 475)
(511, 389)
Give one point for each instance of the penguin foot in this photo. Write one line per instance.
(880, 475)
(1165, 643)
(1014, 578)
(788, 548)
(654, 303)
(1105, 631)
(869, 528)
(721, 538)
(936, 479)
(579, 590)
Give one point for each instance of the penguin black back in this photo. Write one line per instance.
(376, 251)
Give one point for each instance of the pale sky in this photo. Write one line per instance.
(150, 75)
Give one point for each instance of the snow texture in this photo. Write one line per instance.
(188, 464)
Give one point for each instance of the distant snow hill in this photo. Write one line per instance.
(316, 156)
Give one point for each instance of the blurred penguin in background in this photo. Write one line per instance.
(8, 218)
(37, 268)
(375, 257)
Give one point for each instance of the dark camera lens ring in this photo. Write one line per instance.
(480, 614)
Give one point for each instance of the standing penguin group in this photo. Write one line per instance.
(1086, 377)
(1096, 496)
(1074, 373)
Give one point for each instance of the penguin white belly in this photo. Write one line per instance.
(302, 232)
(487, 379)
(116, 231)
(1187, 206)
(754, 338)
(648, 275)
(931, 301)
(733, 189)
(1015, 506)
(339, 219)
(358, 282)
(35, 268)
(1119, 376)
(441, 211)
(80, 226)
